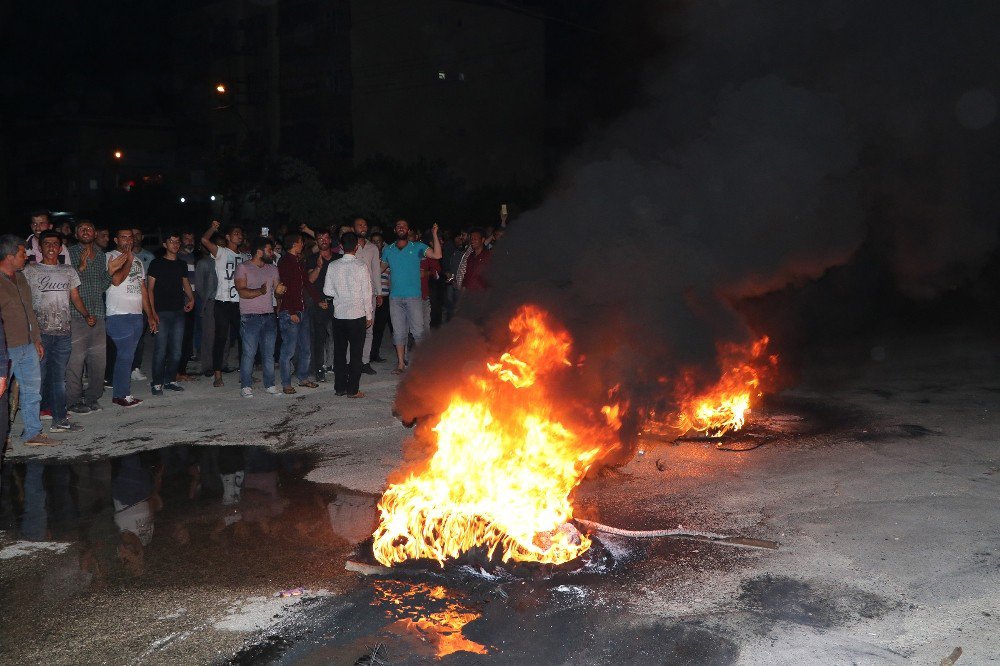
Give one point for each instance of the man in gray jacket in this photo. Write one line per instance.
(206, 282)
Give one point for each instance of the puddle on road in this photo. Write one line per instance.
(180, 525)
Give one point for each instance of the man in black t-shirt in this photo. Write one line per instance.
(170, 297)
(320, 319)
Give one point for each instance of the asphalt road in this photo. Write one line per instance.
(879, 479)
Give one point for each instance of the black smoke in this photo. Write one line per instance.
(775, 141)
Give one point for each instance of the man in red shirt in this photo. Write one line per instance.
(471, 271)
(293, 318)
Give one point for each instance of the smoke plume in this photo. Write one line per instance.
(773, 141)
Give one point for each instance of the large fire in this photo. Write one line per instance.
(508, 451)
(505, 464)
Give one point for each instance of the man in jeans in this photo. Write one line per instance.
(89, 344)
(170, 298)
(24, 341)
(257, 283)
(127, 300)
(53, 287)
(405, 304)
(293, 319)
(349, 286)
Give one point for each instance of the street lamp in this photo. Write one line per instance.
(118, 154)
(220, 88)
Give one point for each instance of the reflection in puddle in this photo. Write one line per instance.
(425, 612)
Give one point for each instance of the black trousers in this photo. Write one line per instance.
(227, 316)
(319, 319)
(378, 326)
(347, 374)
(187, 343)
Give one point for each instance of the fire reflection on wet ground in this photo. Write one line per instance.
(430, 613)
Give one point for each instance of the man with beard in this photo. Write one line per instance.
(227, 298)
(474, 262)
(382, 311)
(320, 318)
(191, 319)
(452, 259)
(293, 316)
(405, 303)
(89, 345)
(258, 284)
(368, 254)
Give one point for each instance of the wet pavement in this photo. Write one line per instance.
(881, 491)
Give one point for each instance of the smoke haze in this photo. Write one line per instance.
(774, 140)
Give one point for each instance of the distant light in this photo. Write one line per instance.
(461, 76)
(183, 200)
(442, 76)
(212, 197)
(221, 88)
(118, 154)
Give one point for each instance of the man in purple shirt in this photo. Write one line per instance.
(257, 284)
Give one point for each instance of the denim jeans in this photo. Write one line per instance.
(295, 341)
(407, 316)
(53, 371)
(125, 331)
(25, 366)
(167, 346)
(90, 349)
(257, 330)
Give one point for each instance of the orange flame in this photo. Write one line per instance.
(504, 467)
(723, 407)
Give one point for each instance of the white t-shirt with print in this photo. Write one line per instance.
(126, 298)
(226, 262)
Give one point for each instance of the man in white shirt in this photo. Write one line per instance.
(349, 286)
(368, 254)
(127, 300)
(226, 312)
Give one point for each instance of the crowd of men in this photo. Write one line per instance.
(76, 306)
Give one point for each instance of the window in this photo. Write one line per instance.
(442, 76)
(93, 183)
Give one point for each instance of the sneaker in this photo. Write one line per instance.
(289, 390)
(173, 386)
(320, 374)
(127, 401)
(246, 392)
(65, 426)
(44, 414)
(305, 383)
(108, 383)
(273, 390)
(80, 408)
(157, 389)
(41, 440)
(138, 376)
(94, 407)
(368, 369)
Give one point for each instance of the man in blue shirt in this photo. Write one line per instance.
(405, 303)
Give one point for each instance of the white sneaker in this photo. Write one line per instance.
(138, 376)
(273, 390)
(247, 392)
